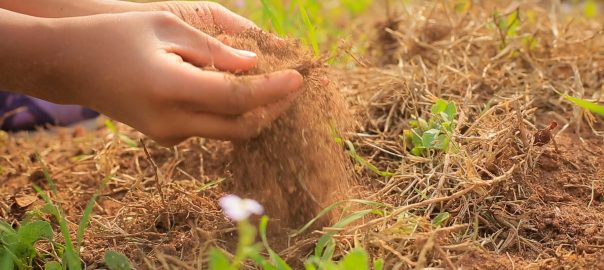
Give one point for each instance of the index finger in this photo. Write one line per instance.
(222, 93)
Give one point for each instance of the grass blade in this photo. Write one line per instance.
(72, 258)
(275, 258)
(586, 104)
(331, 207)
(87, 211)
(275, 18)
(312, 35)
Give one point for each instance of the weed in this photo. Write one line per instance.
(322, 259)
(70, 250)
(17, 247)
(434, 134)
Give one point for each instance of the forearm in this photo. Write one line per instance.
(67, 8)
(26, 61)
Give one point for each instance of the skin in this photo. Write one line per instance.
(139, 64)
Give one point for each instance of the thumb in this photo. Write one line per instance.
(201, 49)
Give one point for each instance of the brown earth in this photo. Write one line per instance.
(512, 204)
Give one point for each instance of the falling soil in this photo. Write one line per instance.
(295, 167)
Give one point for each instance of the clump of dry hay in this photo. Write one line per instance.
(490, 186)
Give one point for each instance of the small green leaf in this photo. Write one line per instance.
(439, 106)
(378, 264)
(357, 259)
(54, 265)
(6, 260)
(219, 261)
(116, 261)
(513, 23)
(440, 219)
(275, 258)
(429, 138)
(32, 232)
(451, 111)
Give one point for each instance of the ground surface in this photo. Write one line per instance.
(511, 204)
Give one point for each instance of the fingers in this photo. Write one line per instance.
(201, 49)
(240, 127)
(220, 93)
(221, 127)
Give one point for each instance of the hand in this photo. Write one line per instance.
(202, 14)
(141, 68)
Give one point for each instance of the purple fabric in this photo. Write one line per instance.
(19, 112)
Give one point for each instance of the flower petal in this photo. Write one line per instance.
(253, 206)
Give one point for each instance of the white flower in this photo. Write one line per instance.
(239, 209)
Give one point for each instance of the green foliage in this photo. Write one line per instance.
(17, 247)
(508, 25)
(248, 250)
(116, 261)
(275, 258)
(70, 257)
(434, 134)
(53, 265)
(356, 259)
(440, 219)
(307, 19)
(586, 104)
(219, 261)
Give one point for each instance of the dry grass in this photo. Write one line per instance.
(491, 184)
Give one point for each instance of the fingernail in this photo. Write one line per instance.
(296, 81)
(245, 54)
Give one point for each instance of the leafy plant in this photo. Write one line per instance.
(70, 250)
(247, 249)
(508, 25)
(17, 247)
(434, 134)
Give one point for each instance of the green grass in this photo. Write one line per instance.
(586, 104)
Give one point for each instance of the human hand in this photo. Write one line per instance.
(202, 14)
(141, 68)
